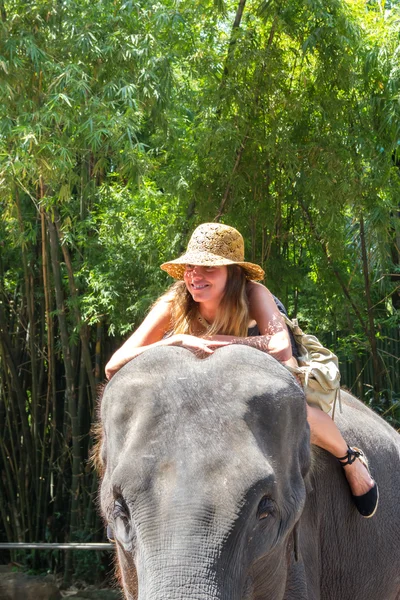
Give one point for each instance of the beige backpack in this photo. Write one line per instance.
(318, 370)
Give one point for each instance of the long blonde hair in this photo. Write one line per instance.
(233, 312)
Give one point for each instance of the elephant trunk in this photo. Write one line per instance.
(179, 577)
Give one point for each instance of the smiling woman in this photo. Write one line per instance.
(207, 286)
(216, 302)
(206, 283)
(211, 300)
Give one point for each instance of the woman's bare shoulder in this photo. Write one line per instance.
(256, 290)
(162, 308)
(262, 306)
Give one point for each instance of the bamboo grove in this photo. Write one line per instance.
(125, 124)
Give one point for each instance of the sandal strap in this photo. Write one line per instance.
(351, 456)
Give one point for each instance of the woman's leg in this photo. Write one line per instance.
(326, 435)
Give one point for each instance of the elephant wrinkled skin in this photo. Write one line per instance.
(212, 490)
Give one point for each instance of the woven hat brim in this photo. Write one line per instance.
(176, 268)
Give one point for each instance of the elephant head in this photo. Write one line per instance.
(204, 464)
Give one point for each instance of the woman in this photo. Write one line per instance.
(217, 301)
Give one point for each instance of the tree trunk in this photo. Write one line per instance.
(31, 332)
(69, 375)
(9, 361)
(232, 41)
(45, 463)
(82, 327)
(3, 12)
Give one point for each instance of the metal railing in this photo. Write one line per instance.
(46, 546)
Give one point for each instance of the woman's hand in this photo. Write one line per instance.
(199, 346)
(119, 359)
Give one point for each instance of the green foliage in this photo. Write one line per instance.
(134, 232)
(88, 564)
(125, 124)
(391, 414)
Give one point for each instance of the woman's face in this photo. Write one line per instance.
(206, 284)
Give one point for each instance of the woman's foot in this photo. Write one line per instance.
(363, 488)
(358, 477)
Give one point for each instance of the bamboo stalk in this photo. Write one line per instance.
(9, 360)
(69, 372)
(11, 496)
(28, 281)
(82, 327)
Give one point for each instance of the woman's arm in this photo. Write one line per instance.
(274, 336)
(151, 334)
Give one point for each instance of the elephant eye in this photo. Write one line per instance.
(120, 510)
(265, 508)
(121, 528)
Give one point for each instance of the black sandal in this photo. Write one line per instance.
(367, 503)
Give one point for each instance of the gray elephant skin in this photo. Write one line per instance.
(212, 490)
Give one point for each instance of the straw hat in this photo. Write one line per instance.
(213, 245)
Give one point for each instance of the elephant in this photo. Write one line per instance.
(212, 491)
